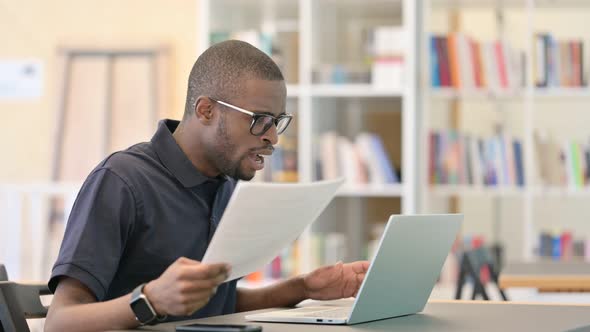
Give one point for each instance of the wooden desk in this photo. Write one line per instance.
(547, 276)
(442, 316)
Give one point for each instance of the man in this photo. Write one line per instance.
(144, 216)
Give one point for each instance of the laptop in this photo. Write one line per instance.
(408, 261)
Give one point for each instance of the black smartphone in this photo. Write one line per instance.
(219, 328)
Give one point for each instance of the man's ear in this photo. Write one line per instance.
(204, 109)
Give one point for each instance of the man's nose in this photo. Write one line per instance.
(271, 135)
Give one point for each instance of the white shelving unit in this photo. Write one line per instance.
(538, 93)
(529, 97)
(352, 90)
(392, 190)
(452, 190)
(537, 191)
(316, 45)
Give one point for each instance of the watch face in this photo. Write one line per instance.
(142, 310)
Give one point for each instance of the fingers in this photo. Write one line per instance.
(359, 279)
(190, 262)
(205, 271)
(360, 266)
(186, 286)
(191, 296)
(195, 285)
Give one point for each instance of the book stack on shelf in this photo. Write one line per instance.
(386, 45)
(562, 164)
(460, 159)
(558, 63)
(326, 249)
(364, 161)
(459, 62)
(563, 246)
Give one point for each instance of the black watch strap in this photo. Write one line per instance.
(142, 308)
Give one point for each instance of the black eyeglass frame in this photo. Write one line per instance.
(255, 116)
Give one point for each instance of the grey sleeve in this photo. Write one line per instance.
(97, 231)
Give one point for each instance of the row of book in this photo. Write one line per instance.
(562, 246)
(458, 61)
(326, 249)
(558, 63)
(282, 165)
(565, 163)
(361, 161)
(461, 159)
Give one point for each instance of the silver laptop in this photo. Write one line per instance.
(403, 272)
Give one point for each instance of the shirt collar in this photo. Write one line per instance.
(173, 157)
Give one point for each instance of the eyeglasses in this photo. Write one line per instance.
(261, 122)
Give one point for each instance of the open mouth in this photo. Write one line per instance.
(257, 161)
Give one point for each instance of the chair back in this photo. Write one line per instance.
(18, 302)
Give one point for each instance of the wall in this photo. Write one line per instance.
(36, 29)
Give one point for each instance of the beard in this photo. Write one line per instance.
(223, 152)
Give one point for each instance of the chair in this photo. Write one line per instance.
(471, 266)
(18, 302)
(3, 273)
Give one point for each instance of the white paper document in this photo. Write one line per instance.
(263, 218)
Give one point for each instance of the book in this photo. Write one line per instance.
(462, 159)
(434, 64)
(558, 63)
(460, 62)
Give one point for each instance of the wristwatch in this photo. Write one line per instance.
(141, 306)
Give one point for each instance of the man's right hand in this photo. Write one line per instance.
(185, 286)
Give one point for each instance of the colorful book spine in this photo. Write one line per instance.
(459, 159)
(434, 64)
(460, 62)
(563, 246)
(558, 63)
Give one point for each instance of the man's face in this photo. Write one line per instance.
(236, 152)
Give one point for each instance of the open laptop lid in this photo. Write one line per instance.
(408, 261)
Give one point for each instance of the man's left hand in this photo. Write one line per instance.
(335, 281)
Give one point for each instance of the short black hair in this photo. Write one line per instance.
(219, 71)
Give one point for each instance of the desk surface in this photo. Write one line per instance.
(547, 276)
(443, 316)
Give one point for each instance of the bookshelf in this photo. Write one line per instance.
(513, 215)
(353, 90)
(384, 190)
(344, 74)
(483, 94)
(456, 190)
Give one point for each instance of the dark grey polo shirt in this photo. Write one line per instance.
(136, 213)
